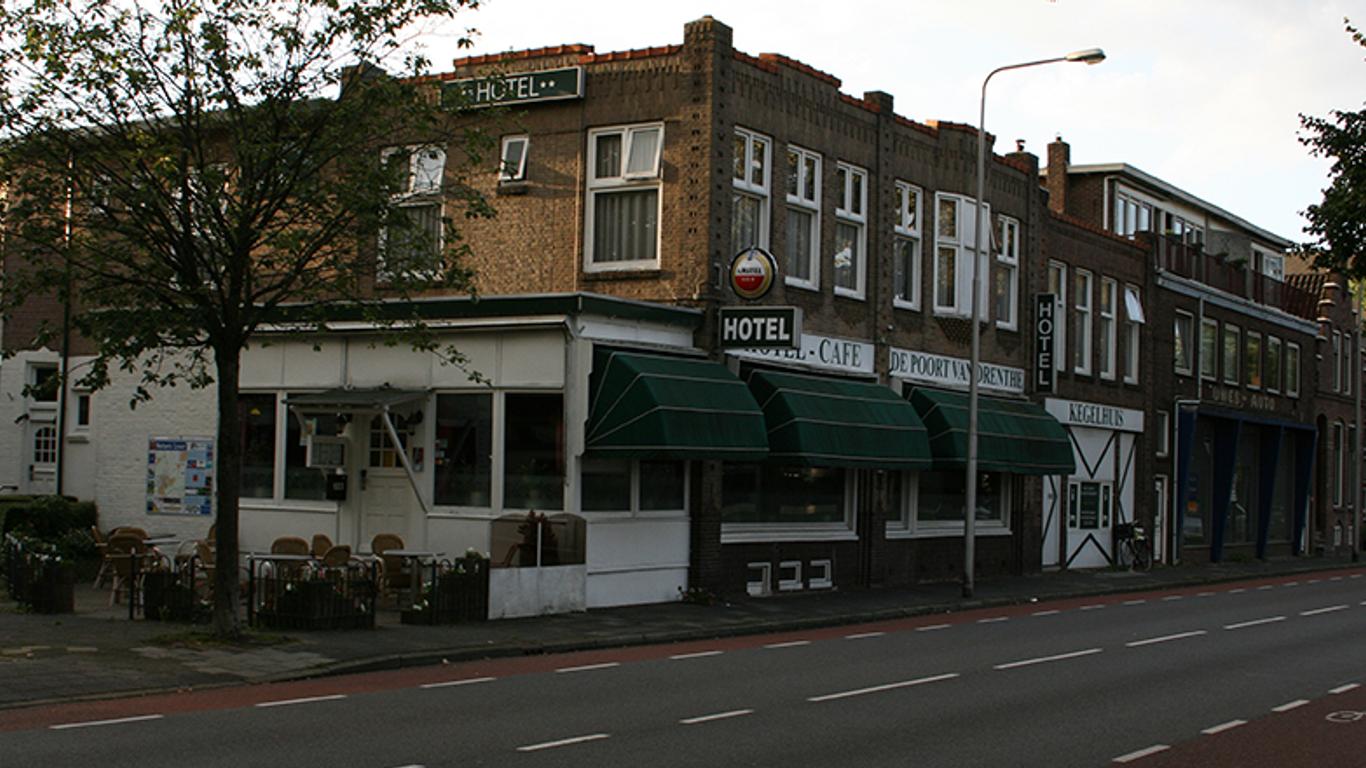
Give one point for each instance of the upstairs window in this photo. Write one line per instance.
(1183, 332)
(1233, 345)
(1130, 215)
(1007, 280)
(1209, 348)
(623, 197)
(513, 158)
(1133, 314)
(749, 191)
(851, 228)
(955, 219)
(803, 230)
(414, 241)
(906, 254)
(1292, 369)
(1272, 373)
(1081, 327)
(1057, 285)
(1253, 364)
(1109, 327)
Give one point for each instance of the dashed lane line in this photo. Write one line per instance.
(1237, 591)
(881, 688)
(589, 667)
(1093, 607)
(1135, 602)
(306, 700)
(562, 742)
(95, 723)
(1265, 587)
(932, 627)
(1142, 753)
(993, 620)
(1320, 611)
(1345, 688)
(697, 655)
(717, 716)
(1170, 598)
(864, 635)
(1047, 613)
(788, 644)
(456, 683)
(1289, 705)
(1047, 659)
(1165, 638)
(1205, 594)
(1255, 622)
(1220, 728)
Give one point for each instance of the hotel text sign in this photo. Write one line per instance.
(1045, 307)
(953, 371)
(825, 352)
(750, 327)
(519, 88)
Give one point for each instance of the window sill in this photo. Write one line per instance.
(805, 285)
(845, 293)
(512, 188)
(652, 272)
(757, 533)
(906, 306)
(942, 533)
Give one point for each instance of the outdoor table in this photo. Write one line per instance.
(416, 557)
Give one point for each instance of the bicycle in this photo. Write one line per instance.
(1133, 546)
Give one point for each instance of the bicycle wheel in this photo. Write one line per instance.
(1142, 556)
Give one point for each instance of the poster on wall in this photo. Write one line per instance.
(180, 476)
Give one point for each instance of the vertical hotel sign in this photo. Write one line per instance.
(180, 475)
(515, 88)
(1045, 325)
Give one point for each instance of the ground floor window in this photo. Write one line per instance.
(463, 452)
(942, 496)
(787, 495)
(621, 485)
(533, 450)
(273, 446)
(1090, 505)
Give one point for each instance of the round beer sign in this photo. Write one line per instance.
(752, 272)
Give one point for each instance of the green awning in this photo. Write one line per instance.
(656, 406)
(814, 421)
(1012, 435)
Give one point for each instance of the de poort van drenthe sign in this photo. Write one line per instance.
(519, 88)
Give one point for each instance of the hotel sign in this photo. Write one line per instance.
(824, 352)
(1045, 309)
(1081, 414)
(518, 88)
(752, 327)
(942, 371)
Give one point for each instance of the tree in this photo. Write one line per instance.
(182, 173)
(1338, 223)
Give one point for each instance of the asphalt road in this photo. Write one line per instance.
(1238, 674)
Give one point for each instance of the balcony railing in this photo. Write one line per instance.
(1231, 276)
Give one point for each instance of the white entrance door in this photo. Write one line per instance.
(41, 477)
(388, 506)
(1090, 522)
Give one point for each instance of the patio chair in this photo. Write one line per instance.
(392, 575)
(289, 545)
(121, 550)
(321, 544)
(102, 547)
(204, 568)
(131, 530)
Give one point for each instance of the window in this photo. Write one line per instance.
(1180, 227)
(1270, 264)
(1089, 505)
(785, 495)
(803, 232)
(513, 158)
(906, 245)
(623, 197)
(1183, 331)
(1347, 356)
(851, 227)
(940, 497)
(1273, 364)
(1007, 280)
(383, 453)
(45, 445)
(1081, 321)
(1337, 463)
(412, 244)
(1233, 345)
(618, 485)
(1133, 318)
(1164, 432)
(1337, 361)
(1253, 364)
(463, 451)
(533, 451)
(1292, 369)
(955, 244)
(43, 383)
(256, 414)
(1130, 215)
(749, 191)
(83, 411)
(1209, 348)
(1109, 298)
(1057, 285)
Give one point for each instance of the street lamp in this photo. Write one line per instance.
(1089, 56)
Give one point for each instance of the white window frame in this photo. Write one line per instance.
(1133, 318)
(1339, 450)
(736, 533)
(508, 172)
(1272, 264)
(1083, 314)
(1347, 355)
(962, 243)
(1008, 264)
(908, 228)
(907, 524)
(1164, 432)
(1232, 377)
(1182, 367)
(760, 147)
(1292, 372)
(1061, 319)
(1109, 326)
(810, 204)
(419, 189)
(625, 181)
(1337, 361)
(1268, 384)
(1209, 369)
(1125, 218)
(852, 210)
(636, 487)
(1248, 361)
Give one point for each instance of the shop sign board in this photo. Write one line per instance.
(752, 273)
(1081, 414)
(518, 88)
(1045, 307)
(823, 352)
(942, 371)
(753, 327)
(180, 475)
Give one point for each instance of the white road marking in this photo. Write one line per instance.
(115, 721)
(1135, 602)
(995, 619)
(932, 627)
(1236, 591)
(1095, 607)
(717, 716)
(1291, 584)
(306, 700)
(453, 683)
(1363, 602)
(864, 635)
(1346, 688)
(1047, 613)
(562, 742)
(1355, 576)
(788, 644)
(1170, 598)
(1045, 659)
(1255, 622)
(1132, 756)
(1205, 594)
(1230, 725)
(1165, 638)
(1265, 587)
(698, 655)
(1315, 581)
(1336, 578)
(1329, 609)
(880, 688)
(1289, 705)
(590, 667)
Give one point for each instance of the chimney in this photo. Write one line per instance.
(1055, 177)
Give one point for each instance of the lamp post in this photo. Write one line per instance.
(1088, 56)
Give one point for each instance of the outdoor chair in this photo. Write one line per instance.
(289, 545)
(392, 575)
(102, 547)
(122, 551)
(204, 568)
(130, 530)
(321, 544)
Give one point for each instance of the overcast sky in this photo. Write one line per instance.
(1204, 94)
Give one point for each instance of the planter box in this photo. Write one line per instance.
(516, 592)
(457, 596)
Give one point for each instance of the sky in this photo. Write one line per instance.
(1204, 94)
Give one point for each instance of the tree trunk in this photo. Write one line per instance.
(226, 593)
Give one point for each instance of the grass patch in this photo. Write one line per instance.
(197, 639)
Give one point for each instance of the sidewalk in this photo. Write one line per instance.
(96, 653)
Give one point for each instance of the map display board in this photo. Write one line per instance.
(180, 475)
